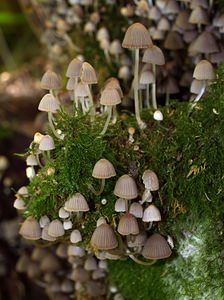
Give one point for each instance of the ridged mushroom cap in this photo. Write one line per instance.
(113, 82)
(50, 81)
(154, 55)
(30, 229)
(146, 77)
(90, 264)
(126, 188)
(81, 90)
(136, 209)
(76, 203)
(120, 205)
(103, 169)
(74, 68)
(46, 143)
(151, 214)
(49, 103)
(138, 240)
(128, 225)
(104, 238)
(156, 247)
(31, 160)
(70, 86)
(205, 43)
(19, 204)
(88, 74)
(45, 236)
(115, 47)
(56, 228)
(150, 180)
(173, 41)
(204, 70)
(199, 16)
(110, 97)
(137, 36)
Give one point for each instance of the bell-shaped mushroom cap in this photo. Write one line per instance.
(31, 160)
(154, 13)
(154, 55)
(204, 71)
(156, 247)
(50, 263)
(80, 274)
(196, 86)
(126, 188)
(19, 204)
(49, 103)
(146, 77)
(138, 240)
(150, 180)
(171, 7)
(46, 143)
(120, 205)
(63, 214)
(56, 228)
(90, 264)
(103, 169)
(163, 24)
(136, 210)
(205, 43)
(30, 229)
(113, 82)
(45, 236)
(75, 236)
(128, 225)
(104, 238)
(50, 81)
(74, 68)
(81, 90)
(110, 97)
(173, 41)
(115, 47)
(102, 34)
(199, 16)
(101, 221)
(88, 74)
(137, 36)
(38, 253)
(76, 203)
(44, 220)
(151, 214)
(76, 251)
(182, 20)
(23, 191)
(71, 84)
(196, 3)
(61, 250)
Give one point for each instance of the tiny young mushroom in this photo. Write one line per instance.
(203, 71)
(78, 204)
(137, 37)
(154, 56)
(56, 229)
(126, 188)
(147, 78)
(30, 229)
(109, 97)
(151, 183)
(131, 132)
(120, 205)
(103, 169)
(51, 105)
(46, 144)
(50, 81)
(151, 214)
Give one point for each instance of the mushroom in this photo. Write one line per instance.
(50, 81)
(104, 238)
(156, 247)
(30, 229)
(75, 236)
(103, 169)
(109, 97)
(78, 204)
(137, 37)
(56, 228)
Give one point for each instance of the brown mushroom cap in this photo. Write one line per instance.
(49, 103)
(199, 16)
(128, 225)
(50, 81)
(103, 169)
(30, 229)
(150, 180)
(137, 36)
(76, 203)
(126, 188)
(74, 68)
(205, 43)
(154, 55)
(156, 247)
(110, 97)
(56, 228)
(104, 238)
(204, 70)
(88, 74)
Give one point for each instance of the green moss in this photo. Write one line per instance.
(186, 151)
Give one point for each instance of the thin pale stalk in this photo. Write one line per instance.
(107, 121)
(50, 120)
(201, 92)
(141, 262)
(147, 96)
(154, 103)
(100, 190)
(114, 120)
(91, 104)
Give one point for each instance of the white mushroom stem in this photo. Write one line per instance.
(51, 123)
(210, 4)
(141, 124)
(114, 120)
(154, 103)
(140, 100)
(141, 262)
(147, 96)
(107, 56)
(167, 99)
(91, 106)
(126, 205)
(38, 159)
(109, 110)
(75, 96)
(100, 190)
(201, 92)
